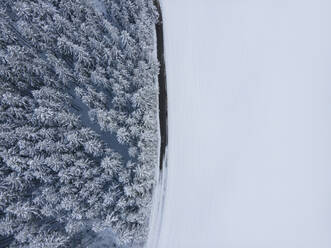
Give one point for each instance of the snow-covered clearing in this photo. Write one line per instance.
(249, 92)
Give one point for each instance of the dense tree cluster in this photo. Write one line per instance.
(78, 120)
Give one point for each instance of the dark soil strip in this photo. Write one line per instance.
(163, 100)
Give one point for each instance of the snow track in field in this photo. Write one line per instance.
(158, 206)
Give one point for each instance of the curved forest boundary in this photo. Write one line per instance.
(163, 99)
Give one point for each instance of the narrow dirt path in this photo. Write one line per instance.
(163, 99)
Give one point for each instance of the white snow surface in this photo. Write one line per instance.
(249, 155)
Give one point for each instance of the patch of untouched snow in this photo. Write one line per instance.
(99, 6)
(106, 239)
(249, 124)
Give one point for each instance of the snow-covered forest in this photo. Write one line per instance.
(78, 121)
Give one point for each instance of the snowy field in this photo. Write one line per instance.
(249, 161)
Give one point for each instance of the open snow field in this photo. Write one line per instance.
(249, 156)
